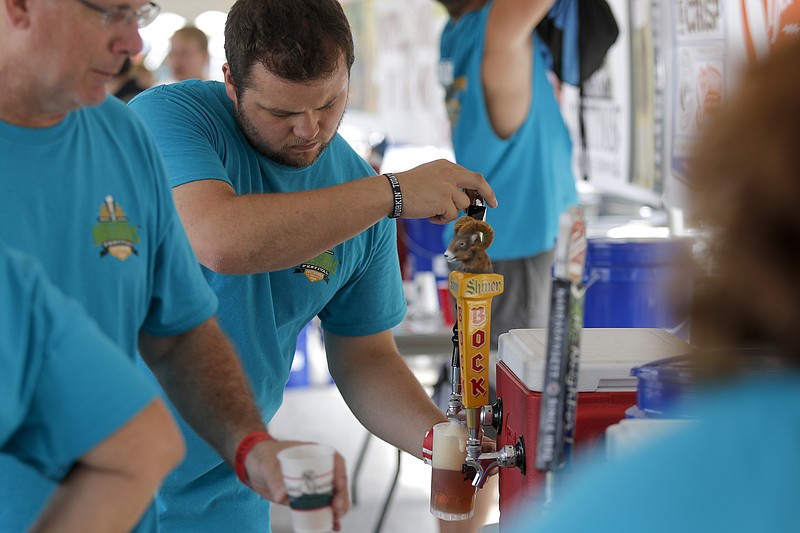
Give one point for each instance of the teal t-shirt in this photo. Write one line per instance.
(736, 469)
(89, 199)
(355, 288)
(64, 386)
(531, 171)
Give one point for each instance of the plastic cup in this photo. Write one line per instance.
(308, 475)
(452, 493)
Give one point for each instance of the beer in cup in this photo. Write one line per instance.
(452, 493)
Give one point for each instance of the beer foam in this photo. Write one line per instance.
(449, 446)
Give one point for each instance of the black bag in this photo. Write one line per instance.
(597, 32)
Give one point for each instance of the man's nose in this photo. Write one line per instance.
(128, 41)
(306, 126)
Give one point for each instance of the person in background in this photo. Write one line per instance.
(75, 408)
(84, 190)
(188, 56)
(506, 124)
(736, 468)
(324, 246)
(129, 81)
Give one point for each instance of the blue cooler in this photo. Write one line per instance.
(632, 282)
(659, 385)
(299, 374)
(424, 242)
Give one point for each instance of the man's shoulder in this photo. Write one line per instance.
(341, 154)
(189, 90)
(112, 115)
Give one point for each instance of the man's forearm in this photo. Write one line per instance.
(381, 390)
(252, 233)
(111, 485)
(203, 378)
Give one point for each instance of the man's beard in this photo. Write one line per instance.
(282, 156)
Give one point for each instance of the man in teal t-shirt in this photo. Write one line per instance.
(506, 124)
(83, 189)
(74, 408)
(323, 247)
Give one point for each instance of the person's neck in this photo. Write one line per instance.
(21, 105)
(27, 116)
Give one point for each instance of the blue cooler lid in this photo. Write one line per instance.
(616, 252)
(660, 383)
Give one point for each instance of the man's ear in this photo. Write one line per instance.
(230, 85)
(18, 12)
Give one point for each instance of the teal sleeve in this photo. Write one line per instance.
(65, 386)
(372, 301)
(187, 129)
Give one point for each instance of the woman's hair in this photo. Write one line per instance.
(297, 40)
(745, 175)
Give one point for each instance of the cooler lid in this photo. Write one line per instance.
(607, 355)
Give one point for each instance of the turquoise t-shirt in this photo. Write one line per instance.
(89, 199)
(355, 288)
(531, 171)
(737, 469)
(64, 386)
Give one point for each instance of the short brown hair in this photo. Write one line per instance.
(297, 40)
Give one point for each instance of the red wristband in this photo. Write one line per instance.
(427, 447)
(249, 440)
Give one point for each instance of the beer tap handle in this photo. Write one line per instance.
(477, 209)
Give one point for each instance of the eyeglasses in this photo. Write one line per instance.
(124, 15)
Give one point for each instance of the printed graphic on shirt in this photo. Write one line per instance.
(451, 97)
(319, 268)
(113, 231)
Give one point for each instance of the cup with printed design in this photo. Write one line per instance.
(308, 475)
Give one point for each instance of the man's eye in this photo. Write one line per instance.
(116, 16)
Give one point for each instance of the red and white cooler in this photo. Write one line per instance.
(605, 390)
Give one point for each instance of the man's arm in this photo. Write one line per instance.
(110, 486)
(380, 389)
(508, 61)
(277, 231)
(204, 379)
(201, 373)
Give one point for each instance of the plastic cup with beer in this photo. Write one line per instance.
(452, 493)
(308, 475)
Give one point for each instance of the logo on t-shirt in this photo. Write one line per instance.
(321, 267)
(113, 231)
(453, 92)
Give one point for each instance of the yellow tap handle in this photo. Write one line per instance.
(473, 294)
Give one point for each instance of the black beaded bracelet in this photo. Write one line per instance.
(398, 196)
